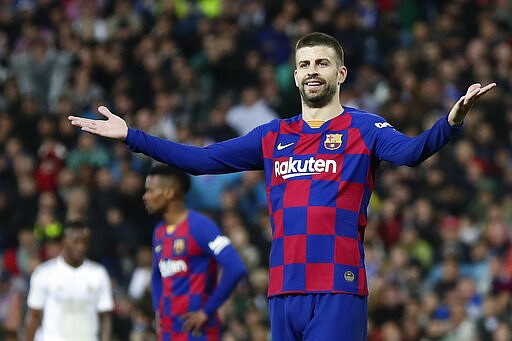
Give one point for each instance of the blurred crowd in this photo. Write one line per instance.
(439, 236)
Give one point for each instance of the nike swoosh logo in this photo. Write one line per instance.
(281, 147)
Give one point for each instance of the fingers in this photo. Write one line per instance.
(101, 109)
(191, 324)
(82, 123)
(473, 87)
(469, 97)
(104, 111)
(487, 88)
(475, 91)
(197, 330)
(89, 130)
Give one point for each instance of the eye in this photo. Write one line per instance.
(303, 65)
(323, 64)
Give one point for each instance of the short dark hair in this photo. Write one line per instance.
(322, 39)
(71, 226)
(164, 170)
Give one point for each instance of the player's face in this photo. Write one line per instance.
(76, 245)
(317, 75)
(155, 197)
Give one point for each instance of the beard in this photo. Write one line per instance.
(318, 99)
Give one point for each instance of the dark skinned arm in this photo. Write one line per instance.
(105, 326)
(32, 323)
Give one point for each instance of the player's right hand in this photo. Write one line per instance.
(113, 127)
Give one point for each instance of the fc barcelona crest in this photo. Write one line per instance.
(332, 141)
(178, 246)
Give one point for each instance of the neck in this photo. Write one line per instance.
(331, 110)
(72, 262)
(175, 214)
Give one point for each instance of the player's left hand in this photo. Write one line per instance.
(464, 104)
(194, 321)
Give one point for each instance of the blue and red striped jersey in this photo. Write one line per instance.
(319, 182)
(185, 271)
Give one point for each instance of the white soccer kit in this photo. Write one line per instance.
(70, 299)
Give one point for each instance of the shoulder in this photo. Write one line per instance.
(290, 121)
(274, 124)
(159, 229)
(46, 266)
(366, 121)
(202, 228)
(199, 220)
(361, 117)
(95, 267)
(270, 126)
(45, 271)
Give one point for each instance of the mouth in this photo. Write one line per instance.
(313, 84)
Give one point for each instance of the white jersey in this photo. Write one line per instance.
(70, 299)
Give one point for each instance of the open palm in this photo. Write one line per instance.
(464, 104)
(113, 127)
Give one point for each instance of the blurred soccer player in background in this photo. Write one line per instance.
(70, 296)
(320, 169)
(187, 250)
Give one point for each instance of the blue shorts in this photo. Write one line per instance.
(319, 317)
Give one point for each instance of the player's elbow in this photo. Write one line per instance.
(240, 271)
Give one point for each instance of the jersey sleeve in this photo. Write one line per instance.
(37, 292)
(156, 277)
(214, 243)
(105, 299)
(400, 149)
(238, 154)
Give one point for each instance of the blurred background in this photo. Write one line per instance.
(438, 240)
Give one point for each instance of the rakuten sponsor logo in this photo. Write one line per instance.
(169, 267)
(296, 167)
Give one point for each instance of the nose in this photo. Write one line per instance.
(312, 74)
(312, 71)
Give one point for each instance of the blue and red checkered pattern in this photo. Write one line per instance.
(319, 183)
(193, 279)
(211, 333)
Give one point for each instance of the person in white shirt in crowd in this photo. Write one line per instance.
(70, 296)
(250, 113)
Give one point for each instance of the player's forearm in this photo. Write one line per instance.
(156, 287)
(243, 153)
(233, 271)
(403, 150)
(32, 323)
(105, 326)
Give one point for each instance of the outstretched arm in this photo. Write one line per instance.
(399, 149)
(238, 154)
(464, 104)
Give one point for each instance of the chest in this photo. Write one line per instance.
(327, 155)
(76, 286)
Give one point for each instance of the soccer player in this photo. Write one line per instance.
(187, 249)
(320, 169)
(70, 294)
